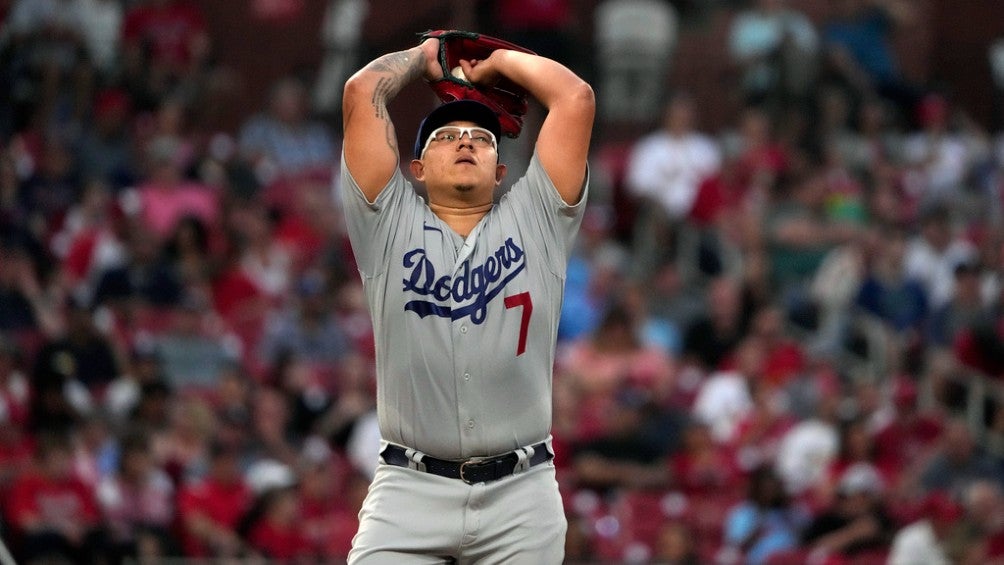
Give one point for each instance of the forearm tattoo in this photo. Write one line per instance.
(396, 70)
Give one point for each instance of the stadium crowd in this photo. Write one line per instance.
(774, 338)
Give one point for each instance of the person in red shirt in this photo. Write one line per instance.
(52, 513)
(278, 532)
(211, 509)
(907, 443)
(784, 358)
(165, 41)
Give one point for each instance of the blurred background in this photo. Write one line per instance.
(783, 332)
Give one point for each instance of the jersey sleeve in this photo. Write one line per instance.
(535, 205)
(374, 226)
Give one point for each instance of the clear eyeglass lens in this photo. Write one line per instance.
(480, 137)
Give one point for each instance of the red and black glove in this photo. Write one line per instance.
(505, 97)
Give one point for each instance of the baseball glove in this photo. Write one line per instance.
(505, 97)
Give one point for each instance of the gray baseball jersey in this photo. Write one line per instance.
(465, 329)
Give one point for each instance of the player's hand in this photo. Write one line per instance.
(430, 49)
(483, 72)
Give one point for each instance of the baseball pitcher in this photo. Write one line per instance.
(465, 296)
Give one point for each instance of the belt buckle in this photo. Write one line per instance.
(473, 462)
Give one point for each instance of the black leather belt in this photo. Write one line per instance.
(479, 470)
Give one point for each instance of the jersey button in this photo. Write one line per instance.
(470, 424)
(467, 376)
(463, 329)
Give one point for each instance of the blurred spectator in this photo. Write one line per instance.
(265, 259)
(232, 399)
(95, 450)
(23, 308)
(142, 369)
(89, 241)
(703, 470)
(307, 327)
(284, 141)
(101, 29)
(624, 455)
(845, 194)
(143, 280)
(277, 534)
(665, 170)
(931, 256)
(82, 353)
(53, 513)
(106, 149)
(758, 434)
(964, 310)
(890, 293)
(760, 158)
(676, 545)
(723, 400)
(183, 447)
(782, 356)
(15, 389)
(799, 234)
(152, 412)
(923, 540)
(193, 354)
(858, 42)
(937, 158)
(872, 142)
(15, 405)
(857, 446)
(138, 503)
(712, 337)
(766, 522)
(51, 67)
(905, 443)
(959, 461)
(304, 391)
(979, 539)
(775, 46)
(58, 401)
(55, 185)
(635, 42)
(166, 45)
(167, 196)
(270, 421)
(806, 452)
(329, 519)
(856, 523)
(211, 509)
(611, 359)
(350, 423)
(188, 251)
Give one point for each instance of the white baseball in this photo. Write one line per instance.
(458, 72)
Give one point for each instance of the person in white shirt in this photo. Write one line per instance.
(921, 541)
(666, 168)
(932, 256)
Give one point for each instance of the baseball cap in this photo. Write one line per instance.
(860, 478)
(457, 111)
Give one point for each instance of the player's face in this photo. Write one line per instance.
(459, 156)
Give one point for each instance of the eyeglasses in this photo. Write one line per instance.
(480, 137)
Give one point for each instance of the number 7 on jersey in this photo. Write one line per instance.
(521, 299)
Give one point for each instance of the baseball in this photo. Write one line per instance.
(458, 72)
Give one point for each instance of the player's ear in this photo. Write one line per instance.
(418, 170)
(500, 171)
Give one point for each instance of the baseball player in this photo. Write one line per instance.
(465, 296)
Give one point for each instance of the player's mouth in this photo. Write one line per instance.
(468, 160)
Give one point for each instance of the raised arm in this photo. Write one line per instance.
(370, 141)
(563, 142)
